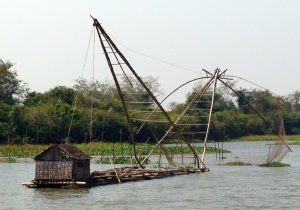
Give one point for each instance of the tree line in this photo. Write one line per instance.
(42, 118)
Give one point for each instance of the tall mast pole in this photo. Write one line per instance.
(216, 75)
(100, 31)
(132, 137)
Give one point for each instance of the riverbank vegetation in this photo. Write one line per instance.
(100, 149)
(275, 164)
(291, 138)
(30, 117)
(237, 163)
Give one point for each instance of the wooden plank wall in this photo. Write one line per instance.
(53, 170)
(81, 169)
(52, 154)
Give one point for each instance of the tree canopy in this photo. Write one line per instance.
(33, 117)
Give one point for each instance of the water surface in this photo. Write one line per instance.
(224, 187)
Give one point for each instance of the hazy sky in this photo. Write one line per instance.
(255, 39)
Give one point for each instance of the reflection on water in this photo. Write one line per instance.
(56, 193)
(224, 187)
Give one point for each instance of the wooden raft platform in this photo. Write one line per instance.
(132, 174)
(115, 176)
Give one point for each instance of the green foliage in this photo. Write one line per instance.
(120, 160)
(44, 118)
(95, 149)
(12, 90)
(275, 164)
(237, 163)
(293, 138)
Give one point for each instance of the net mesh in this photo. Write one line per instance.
(280, 149)
(265, 153)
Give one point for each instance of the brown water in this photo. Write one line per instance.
(224, 187)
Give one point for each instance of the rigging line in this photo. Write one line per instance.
(99, 28)
(155, 58)
(100, 31)
(241, 78)
(93, 88)
(77, 94)
(245, 100)
(173, 125)
(168, 96)
(282, 98)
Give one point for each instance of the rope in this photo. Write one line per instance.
(241, 78)
(77, 94)
(93, 80)
(155, 58)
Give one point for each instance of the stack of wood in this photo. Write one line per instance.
(129, 174)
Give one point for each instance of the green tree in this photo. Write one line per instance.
(12, 90)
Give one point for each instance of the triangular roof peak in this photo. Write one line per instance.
(68, 149)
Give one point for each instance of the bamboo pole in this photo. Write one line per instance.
(215, 77)
(115, 170)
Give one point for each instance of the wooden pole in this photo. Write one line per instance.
(121, 139)
(216, 150)
(115, 170)
(181, 153)
(113, 142)
(222, 153)
(101, 33)
(219, 150)
(215, 77)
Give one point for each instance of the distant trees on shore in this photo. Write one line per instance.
(33, 117)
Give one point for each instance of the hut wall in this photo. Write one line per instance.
(52, 154)
(53, 170)
(81, 169)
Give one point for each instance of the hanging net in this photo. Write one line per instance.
(265, 153)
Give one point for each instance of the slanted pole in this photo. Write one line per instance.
(115, 170)
(99, 31)
(215, 77)
(112, 45)
(207, 85)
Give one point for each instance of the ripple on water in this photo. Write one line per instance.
(224, 187)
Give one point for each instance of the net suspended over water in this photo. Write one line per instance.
(266, 153)
(280, 148)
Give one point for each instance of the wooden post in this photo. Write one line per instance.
(269, 153)
(222, 153)
(113, 142)
(219, 149)
(216, 150)
(8, 140)
(181, 153)
(159, 160)
(121, 139)
(130, 148)
(115, 170)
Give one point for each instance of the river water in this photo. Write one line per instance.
(224, 187)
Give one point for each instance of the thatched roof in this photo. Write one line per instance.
(68, 149)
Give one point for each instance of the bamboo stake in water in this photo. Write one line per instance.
(115, 170)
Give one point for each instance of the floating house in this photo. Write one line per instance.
(62, 162)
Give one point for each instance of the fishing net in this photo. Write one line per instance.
(280, 149)
(265, 153)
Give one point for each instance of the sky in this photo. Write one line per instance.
(256, 39)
